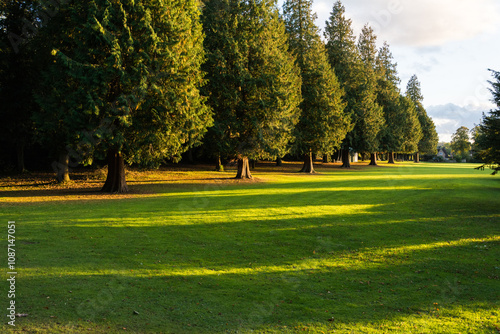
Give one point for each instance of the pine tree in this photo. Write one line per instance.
(254, 85)
(134, 70)
(323, 124)
(429, 141)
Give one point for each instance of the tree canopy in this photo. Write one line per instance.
(323, 124)
(253, 82)
(134, 71)
(488, 134)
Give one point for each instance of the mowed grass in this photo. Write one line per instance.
(412, 248)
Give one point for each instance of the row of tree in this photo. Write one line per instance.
(141, 81)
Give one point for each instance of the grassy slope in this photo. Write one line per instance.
(406, 249)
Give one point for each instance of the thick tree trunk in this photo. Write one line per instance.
(20, 157)
(308, 166)
(417, 157)
(391, 157)
(346, 158)
(115, 181)
(373, 159)
(62, 168)
(243, 169)
(326, 158)
(279, 162)
(218, 165)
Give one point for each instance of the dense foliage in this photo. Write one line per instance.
(487, 138)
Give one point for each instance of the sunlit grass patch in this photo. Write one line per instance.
(404, 249)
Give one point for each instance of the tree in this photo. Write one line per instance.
(460, 142)
(134, 76)
(322, 125)
(18, 69)
(397, 112)
(354, 77)
(253, 82)
(429, 141)
(488, 138)
(370, 116)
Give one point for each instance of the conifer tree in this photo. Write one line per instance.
(488, 136)
(18, 75)
(370, 118)
(253, 82)
(429, 141)
(344, 56)
(323, 124)
(134, 76)
(401, 132)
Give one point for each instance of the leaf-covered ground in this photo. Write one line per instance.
(411, 248)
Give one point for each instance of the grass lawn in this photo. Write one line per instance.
(413, 248)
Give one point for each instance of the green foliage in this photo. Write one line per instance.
(487, 136)
(411, 126)
(429, 141)
(130, 74)
(18, 73)
(460, 143)
(253, 82)
(323, 124)
(370, 117)
(356, 78)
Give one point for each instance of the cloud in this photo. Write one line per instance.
(422, 23)
(448, 118)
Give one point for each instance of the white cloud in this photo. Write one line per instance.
(448, 118)
(425, 23)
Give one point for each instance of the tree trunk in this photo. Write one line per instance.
(417, 157)
(20, 157)
(326, 158)
(218, 165)
(190, 156)
(346, 158)
(373, 159)
(279, 162)
(61, 167)
(115, 181)
(243, 169)
(391, 157)
(308, 166)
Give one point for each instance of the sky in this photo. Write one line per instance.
(448, 44)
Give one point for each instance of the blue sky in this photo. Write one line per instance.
(448, 44)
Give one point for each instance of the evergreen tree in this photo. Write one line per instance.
(357, 81)
(488, 137)
(254, 85)
(388, 97)
(323, 124)
(370, 116)
(429, 141)
(133, 73)
(18, 74)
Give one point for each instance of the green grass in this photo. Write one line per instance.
(405, 249)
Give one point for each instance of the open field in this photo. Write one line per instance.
(411, 248)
